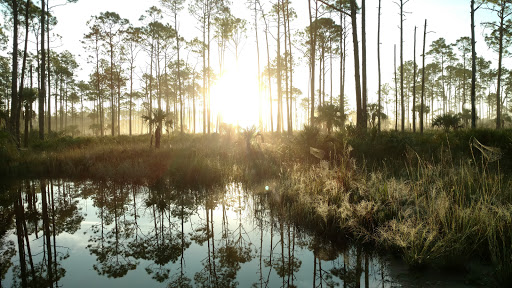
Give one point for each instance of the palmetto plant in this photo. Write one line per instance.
(156, 118)
(447, 121)
(248, 135)
(331, 116)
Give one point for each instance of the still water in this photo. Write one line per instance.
(102, 234)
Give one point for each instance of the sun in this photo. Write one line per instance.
(235, 98)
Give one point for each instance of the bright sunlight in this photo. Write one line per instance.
(235, 98)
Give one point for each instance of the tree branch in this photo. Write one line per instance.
(334, 7)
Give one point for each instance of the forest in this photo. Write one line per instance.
(147, 76)
(347, 134)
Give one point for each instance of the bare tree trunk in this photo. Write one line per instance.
(204, 74)
(396, 96)
(414, 87)
(42, 90)
(500, 61)
(312, 45)
(14, 77)
(179, 72)
(259, 70)
(363, 46)
(473, 67)
(353, 16)
(402, 62)
(208, 49)
(286, 55)
(28, 113)
(279, 77)
(269, 80)
(342, 62)
(378, 67)
(290, 61)
(423, 79)
(48, 55)
(23, 69)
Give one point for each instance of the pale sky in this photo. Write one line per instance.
(446, 18)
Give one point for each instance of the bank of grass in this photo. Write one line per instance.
(189, 159)
(446, 205)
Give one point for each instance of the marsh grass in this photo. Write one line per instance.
(447, 211)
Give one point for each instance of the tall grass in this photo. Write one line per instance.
(446, 211)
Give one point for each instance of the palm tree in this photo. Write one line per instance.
(447, 121)
(373, 114)
(330, 115)
(158, 117)
(29, 96)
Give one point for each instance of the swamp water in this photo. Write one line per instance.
(101, 234)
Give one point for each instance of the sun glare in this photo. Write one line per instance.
(235, 98)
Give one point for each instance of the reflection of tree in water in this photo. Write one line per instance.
(237, 245)
(112, 253)
(7, 251)
(281, 258)
(285, 263)
(184, 205)
(28, 272)
(356, 263)
(261, 221)
(323, 251)
(68, 217)
(7, 247)
(205, 233)
(222, 264)
(166, 242)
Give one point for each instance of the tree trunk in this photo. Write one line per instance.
(363, 46)
(378, 68)
(179, 75)
(22, 79)
(291, 64)
(112, 106)
(500, 60)
(48, 55)
(269, 80)
(14, 76)
(342, 62)
(473, 67)
(286, 54)
(312, 45)
(423, 80)
(279, 77)
(42, 90)
(414, 87)
(259, 70)
(204, 75)
(402, 63)
(353, 16)
(396, 96)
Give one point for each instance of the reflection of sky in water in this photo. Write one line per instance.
(242, 225)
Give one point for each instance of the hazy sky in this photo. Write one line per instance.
(446, 18)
